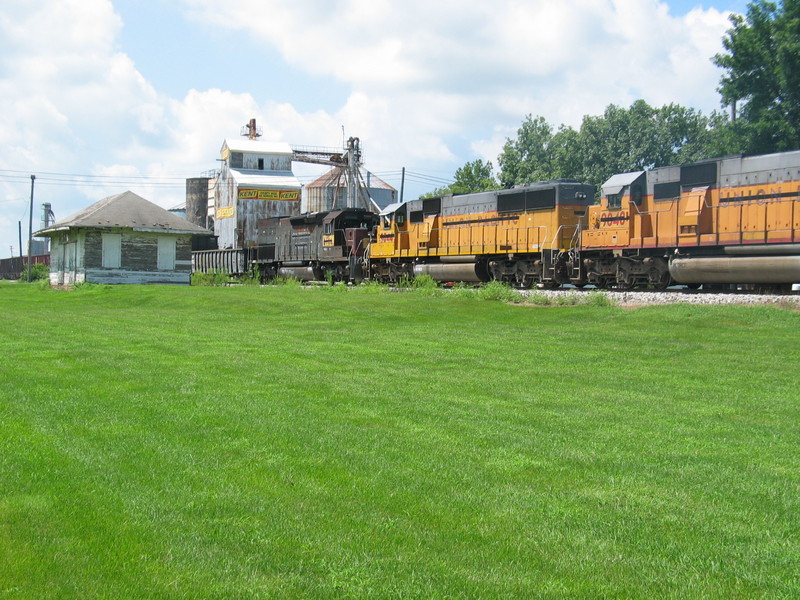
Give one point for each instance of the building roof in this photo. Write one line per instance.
(256, 147)
(129, 211)
(336, 175)
(266, 180)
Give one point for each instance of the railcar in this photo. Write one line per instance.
(733, 220)
(521, 236)
(16, 266)
(327, 245)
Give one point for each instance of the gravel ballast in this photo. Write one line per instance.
(646, 298)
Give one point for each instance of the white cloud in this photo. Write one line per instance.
(419, 70)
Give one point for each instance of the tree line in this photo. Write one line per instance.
(759, 88)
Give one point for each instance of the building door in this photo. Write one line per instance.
(112, 250)
(166, 253)
(69, 264)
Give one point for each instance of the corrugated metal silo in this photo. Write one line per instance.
(330, 191)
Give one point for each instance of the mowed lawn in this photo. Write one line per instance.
(187, 442)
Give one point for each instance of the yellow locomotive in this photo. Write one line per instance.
(522, 236)
(733, 220)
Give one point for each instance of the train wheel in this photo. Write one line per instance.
(601, 283)
(659, 280)
(625, 279)
(624, 283)
(524, 282)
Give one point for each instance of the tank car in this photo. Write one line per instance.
(733, 220)
(521, 236)
(314, 246)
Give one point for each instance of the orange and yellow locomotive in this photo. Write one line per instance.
(521, 236)
(732, 220)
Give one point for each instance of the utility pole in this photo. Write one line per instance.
(402, 182)
(30, 230)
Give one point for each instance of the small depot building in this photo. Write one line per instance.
(121, 239)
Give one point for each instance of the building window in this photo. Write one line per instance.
(166, 253)
(260, 164)
(112, 250)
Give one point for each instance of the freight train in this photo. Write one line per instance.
(733, 220)
(725, 221)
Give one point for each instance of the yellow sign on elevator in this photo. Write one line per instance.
(279, 195)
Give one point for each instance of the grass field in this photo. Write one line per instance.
(165, 442)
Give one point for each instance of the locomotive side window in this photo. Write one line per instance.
(615, 200)
(400, 218)
(666, 191)
(432, 206)
(699, 175)
(328, 228)
(540, 199)
(416, 216)
(636, 194)
(514, 202)
(527, 200)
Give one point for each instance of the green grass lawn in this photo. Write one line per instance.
(191, 442)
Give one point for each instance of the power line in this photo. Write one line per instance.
(76, 180)
(84, 176)
(82, 180)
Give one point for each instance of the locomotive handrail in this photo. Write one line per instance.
(556, 236)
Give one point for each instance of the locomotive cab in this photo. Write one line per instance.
(391, 242)
(390, 230)
(610, 223)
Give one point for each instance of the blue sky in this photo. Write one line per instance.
(110, 95)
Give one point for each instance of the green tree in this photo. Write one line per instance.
(641, 137)
(475, 176)
(529, 157)
(762, 78)
(619, 140)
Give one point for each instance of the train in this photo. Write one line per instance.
(323, 246)
(520, 236)
(725, 221)
(16, 266)
(731, 221)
